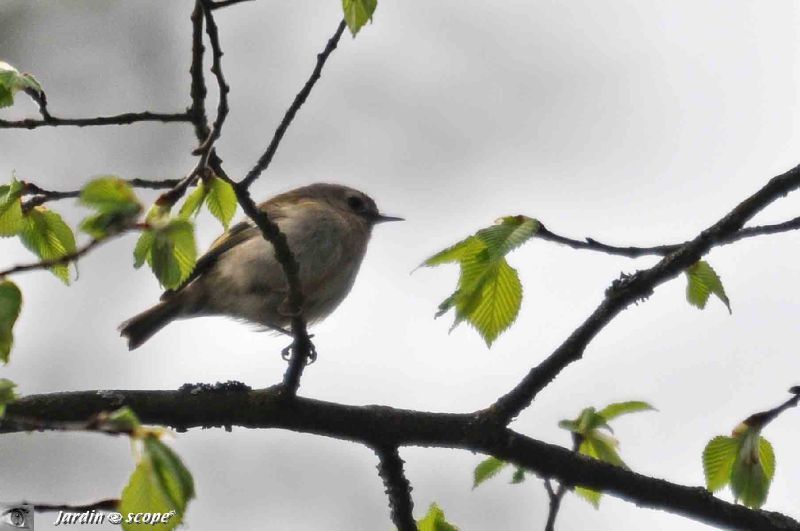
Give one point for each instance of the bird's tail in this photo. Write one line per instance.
(140, 328)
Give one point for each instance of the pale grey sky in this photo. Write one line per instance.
(631, 122)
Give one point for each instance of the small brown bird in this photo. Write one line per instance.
(327, 227)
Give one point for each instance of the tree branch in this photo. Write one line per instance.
(118, 119)
(42, 195)
(662, 250)
(66, 259)
(632, 288)
(379, 426)
(197, 90)
(298, 102)
(398, 489)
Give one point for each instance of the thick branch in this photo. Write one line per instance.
(298, 102)
(378, 426)
(638, 286)
(398, 489)
(119, 119)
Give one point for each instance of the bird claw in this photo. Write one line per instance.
(286, 353)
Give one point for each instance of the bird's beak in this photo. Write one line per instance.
(380, 218)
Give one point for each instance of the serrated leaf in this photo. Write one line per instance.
(110, 194)
(613, 411)
(749, 478)
(7, 394)
(141, 253)
(160, 483)
(507, 234)
(11, 222)
(221, 201)
(10, 306)
(718, 457)
(495, 302)
(592, 496)
(45, 234)
(357, 13)
(489, 293)
(488, 468)
(462, 250)
(173, 253)
(191, 206)
(702, 282)
(435, 520)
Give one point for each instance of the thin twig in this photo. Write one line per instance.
(119, 119)
(398, 489)
(662, 250)
(66, 259)
(633, 288)
(42, 195)
(204, 150)
(198, 90)
(298, 102)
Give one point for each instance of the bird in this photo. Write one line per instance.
(327, 226)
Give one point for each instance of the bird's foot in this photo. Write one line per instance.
(286, 353)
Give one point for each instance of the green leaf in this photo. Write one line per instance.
(357, 13)
(46, 235)
(191, 206)
(718, 457)
(11, 222)
(519, 475)
(602, 447)
(752, 470)
(160, 483)
(110, 194)
(116, 203)
(221, 201)
(507, 234)
(592, 496)
(7, 394)
(124, 419)
(462, 250)
(173, 253)
(489, 293)
(495, 303)
(435, 521)
(613, 411)
(487, 468)
(702, 282)
(10, 306)
(12, 81)
(141, 253)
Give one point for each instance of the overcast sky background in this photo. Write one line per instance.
(636, 123)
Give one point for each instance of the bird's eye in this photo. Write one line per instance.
(355, 203)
